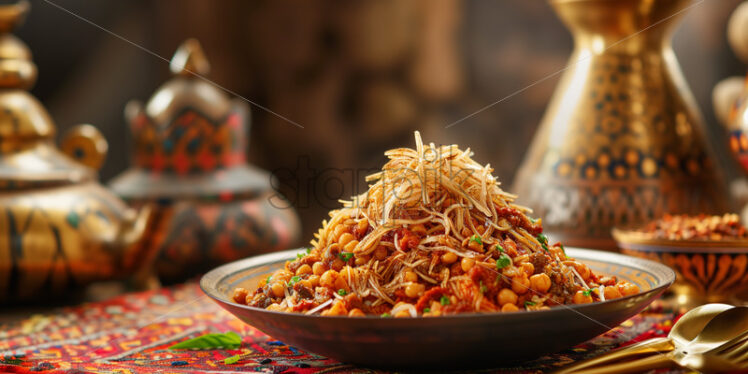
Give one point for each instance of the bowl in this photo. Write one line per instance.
(448, 341)
(707, 271)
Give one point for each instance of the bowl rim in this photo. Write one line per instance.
(215, 276)
(638, 240)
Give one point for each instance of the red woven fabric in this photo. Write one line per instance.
(131, 333)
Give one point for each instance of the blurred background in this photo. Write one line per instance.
(359, 76)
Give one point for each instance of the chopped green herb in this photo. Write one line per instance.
(529, 303)
(587, 292)
(444, 300)
(483, 288)
(342, 292)
(543, 241)
(477, 239)
(426, 310)
(503, 261)
(232, 360)
(270, 277)
(295, 279)
(563, 250)
(533, 220)
(499, 248)
(308, 250)
(300, 255)
(229, 340)
(385, 315)
(345, 256)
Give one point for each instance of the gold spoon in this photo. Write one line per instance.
(686, 329)
(711, 350)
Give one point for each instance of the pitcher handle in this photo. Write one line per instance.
(86, 145)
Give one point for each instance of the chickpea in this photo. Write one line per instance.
(304, 269)
(240, 295)
(581, 268)
(627, 288)
(507, 296)
(342, 283)
(540, 282)
(361, 260)
(510, 272)
(611, 292)
(418, 229)
(274, 307)
(410, 276)
(351, 245)
(528, 268)
(278, 289)
(520, 284)
(509, 308)
(337, 309)
(557, 252)
(449, 258)
(472, 244)
(581, 298)
(318, 268)
(337, 264)
(338, 231)
(356, 312)
(467, 264)
(402, 314)
(414, 290)
(345, 239)
(435, 306)
(346, 272)
(313, 281)
(380, 253)
(281, 275)
(328, 279)
(362, 226)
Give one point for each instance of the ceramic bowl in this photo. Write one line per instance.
(448, 341)
(707, 271)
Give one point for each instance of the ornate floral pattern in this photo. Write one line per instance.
(131, 333)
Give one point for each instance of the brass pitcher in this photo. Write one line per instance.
(59, 228)
(622, 141)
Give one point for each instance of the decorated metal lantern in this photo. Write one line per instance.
(189, 165)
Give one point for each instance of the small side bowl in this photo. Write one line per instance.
(708, 271)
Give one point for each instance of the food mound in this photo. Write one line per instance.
(698, 227)
(433, 235)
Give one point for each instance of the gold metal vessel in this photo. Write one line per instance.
(622, 141)
(59, 228)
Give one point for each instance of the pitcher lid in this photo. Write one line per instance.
(28, 156)
(189, 138)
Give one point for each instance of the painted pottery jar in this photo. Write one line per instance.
(189, 165)
(59, 228)
(622, 141)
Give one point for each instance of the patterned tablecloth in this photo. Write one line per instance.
(131, 333)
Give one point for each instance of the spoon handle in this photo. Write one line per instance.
(659, 345)
(656, 361)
